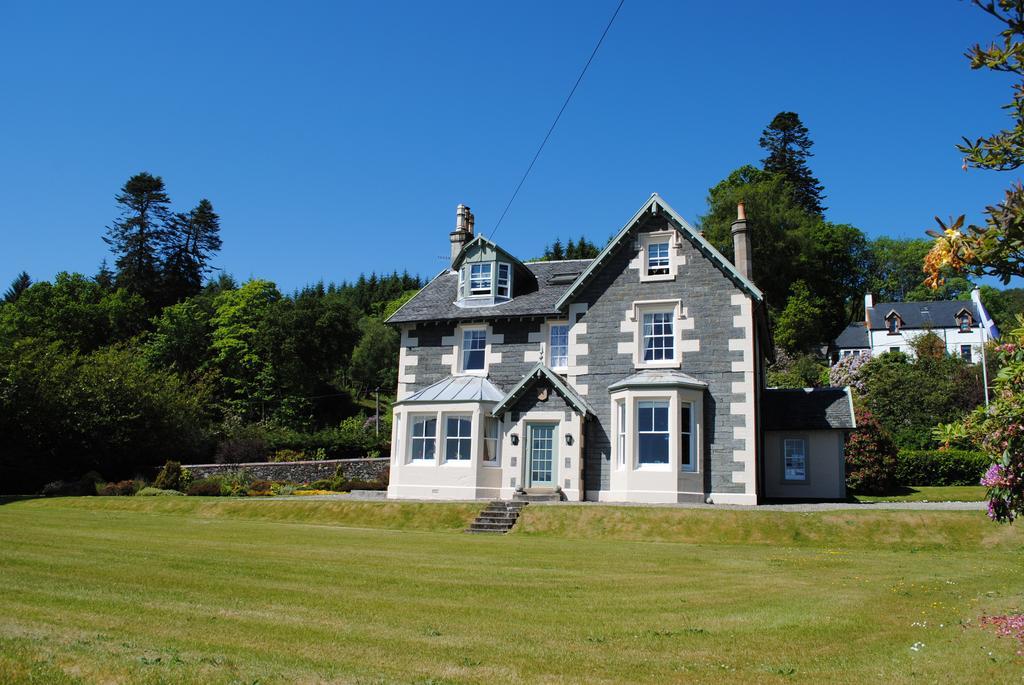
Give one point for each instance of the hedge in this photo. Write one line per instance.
(932, 467)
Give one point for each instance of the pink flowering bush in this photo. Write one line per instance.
(1011, 626)
(1000, 431)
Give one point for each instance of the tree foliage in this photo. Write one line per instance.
(19, 285)
(788, 144)
(581, 249)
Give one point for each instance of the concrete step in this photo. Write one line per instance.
(498, 516)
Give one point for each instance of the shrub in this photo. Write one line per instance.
(172, 477)
(86, 485)
(261, 487)
(935, 467)
(206, 487)
(870, 457)
(157, 492)
(236, 483)
(119, 489)
(288, 455)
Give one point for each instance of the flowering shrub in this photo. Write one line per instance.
(849, 371)
(1011, 626)
(1000, 431)
(870, 457)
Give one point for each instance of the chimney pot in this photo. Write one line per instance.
(741, 212)
(463, 232)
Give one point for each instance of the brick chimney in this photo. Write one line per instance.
(463, 232)
(741, 243)
(869, 303)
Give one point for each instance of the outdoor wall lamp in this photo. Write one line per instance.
(568, 439)
(515, 438)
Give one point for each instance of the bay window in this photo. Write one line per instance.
(492, 431)
(687, 460)
(620, 430)
(504, 280)
(480, 279)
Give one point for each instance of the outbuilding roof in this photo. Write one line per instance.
(457, 389)
(854, 336)
(808, 409)
(436, 301)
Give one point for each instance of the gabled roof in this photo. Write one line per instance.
(482, 240)
(654, 205)
(658, 378)
(933, 314)
(436, 301)
(456, 389)
(537, 373)
(808, 409)
(854, 336)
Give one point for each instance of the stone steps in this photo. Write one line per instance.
(497, 517)
(538, 495)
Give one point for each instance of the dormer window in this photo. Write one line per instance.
(963, 320)
(892, 323)
(480, 279)
(504, 280)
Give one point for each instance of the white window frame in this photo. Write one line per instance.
(621, 435)
(464, 350)
(504, 283)
(639, 430)
(462, 282)
(969, 349)
(465, 441)
(687, 435)
(803, 442)
(656, 238)
(651, 307)
(552, 361)
(421, 419)
(474, 289)
(491, 443)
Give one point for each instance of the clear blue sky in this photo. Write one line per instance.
(335, 138)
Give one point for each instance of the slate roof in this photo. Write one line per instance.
(436, 301)
(658, 378)
(457, 389)
(855, 336)
(936, 314)
(538, 372)
(808, 409)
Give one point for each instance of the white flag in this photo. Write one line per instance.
(986, 320)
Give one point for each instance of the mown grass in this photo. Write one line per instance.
(925, 493)
(187, 590)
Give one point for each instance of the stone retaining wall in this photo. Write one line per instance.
(367, 469)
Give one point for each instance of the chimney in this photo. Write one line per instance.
(741, 243)
(869, 303)
(463, 232)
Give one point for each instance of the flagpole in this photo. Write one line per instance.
(984, 365)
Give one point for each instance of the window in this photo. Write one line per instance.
(504, 280)
(893, 323)
(492, 429)
(480, 279)
(559, 346)
(657, 259)
(965, 353)
(686, 451)
(424, 438)
(894, 349)
(620, 438)
(474, 347)
(659, 341)
(965, 323)
(794, 458)
(462, 283)
(458, 439)
(652, 432)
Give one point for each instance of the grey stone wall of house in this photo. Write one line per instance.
(530, 401)
(430, 349)
(368, 469)
(706, 293)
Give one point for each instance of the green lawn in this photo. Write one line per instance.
(923, 493)
(207, 591)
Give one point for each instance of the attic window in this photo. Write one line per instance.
(893, 324)
(504, 280)
(563, 278)
(480, 279)
(657, 259)
(964, 321)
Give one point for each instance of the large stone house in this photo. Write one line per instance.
(637, 376)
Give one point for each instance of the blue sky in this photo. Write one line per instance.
(335, 138)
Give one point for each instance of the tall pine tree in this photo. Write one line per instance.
(19, 285)
(192, 239)
(788, 145)
(138, 236)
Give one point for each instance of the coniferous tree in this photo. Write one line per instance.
(788, 145)
(192, 239)
(139, 235)
(104, 276)
(19, 285)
